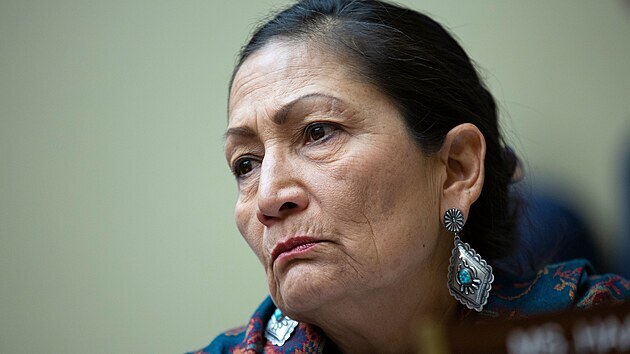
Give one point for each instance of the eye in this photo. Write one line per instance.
(318, 131)
(243, 166)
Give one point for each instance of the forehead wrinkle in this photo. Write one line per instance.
(287, 80)
(291, 72)
(251, 85)
(278, 82)
(243, 87)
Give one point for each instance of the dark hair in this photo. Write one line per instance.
(428, 76)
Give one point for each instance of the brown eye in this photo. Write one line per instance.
(318, 131)
(243, 166)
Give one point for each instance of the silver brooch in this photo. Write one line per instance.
(279, 328)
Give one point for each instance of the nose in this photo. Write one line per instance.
(281, 191)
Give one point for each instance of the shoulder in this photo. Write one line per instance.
(225, 342)
(251, 338)
(557, 287)
(603, 289)
(242, 338)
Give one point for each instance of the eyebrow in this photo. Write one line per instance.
(280, 117)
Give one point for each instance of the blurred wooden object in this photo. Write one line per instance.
(600, 330)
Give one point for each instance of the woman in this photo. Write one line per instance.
(368, 158)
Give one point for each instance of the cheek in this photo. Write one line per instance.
(367, 187)
(394, 194)
(250, 228)
(341, 192)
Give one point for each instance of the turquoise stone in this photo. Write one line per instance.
(464, 276)
(277, 314)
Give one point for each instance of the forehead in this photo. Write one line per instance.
(280, 72)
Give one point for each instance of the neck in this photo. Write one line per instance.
(386, 328)
(384, 321)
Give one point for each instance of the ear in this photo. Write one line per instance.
(462, 154)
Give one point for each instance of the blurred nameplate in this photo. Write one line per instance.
(600, 330)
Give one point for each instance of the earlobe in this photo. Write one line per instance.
(462, 154)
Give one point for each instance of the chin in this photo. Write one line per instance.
(301, 292)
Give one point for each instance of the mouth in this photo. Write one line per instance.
(293, 247)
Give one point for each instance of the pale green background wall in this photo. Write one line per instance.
(116, 223)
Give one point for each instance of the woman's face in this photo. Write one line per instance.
(335, 198)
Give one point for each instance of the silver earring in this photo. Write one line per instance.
(469, 276)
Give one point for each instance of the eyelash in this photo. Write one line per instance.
(237, 165)
(311, 127)
(308, 138)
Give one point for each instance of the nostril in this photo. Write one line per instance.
(264, 219)
(273, 214)
(288, 205)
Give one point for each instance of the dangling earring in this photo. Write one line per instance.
(469, 276)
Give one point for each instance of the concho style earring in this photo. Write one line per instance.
(279, 328)
(469, 276)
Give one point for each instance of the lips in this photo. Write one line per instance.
(292, 245)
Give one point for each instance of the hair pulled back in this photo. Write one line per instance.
(426, 74)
